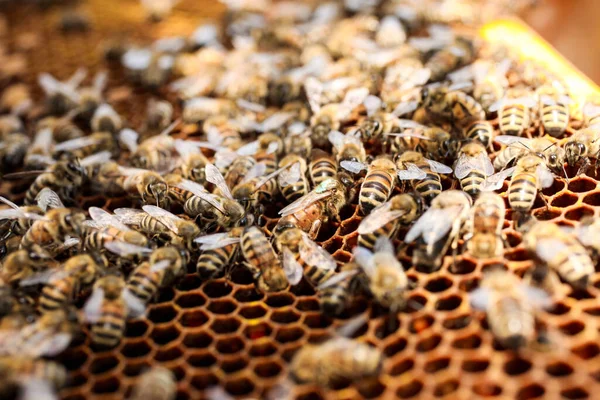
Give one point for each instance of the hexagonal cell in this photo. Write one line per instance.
(564, 200)
(239, 387)
(204, 380)
(429, 343)
(229, 345)
(73, 359)
(402, 366)
(307, 305)
(575, 393)
(267, 369)
(193, 318)
(216, 289)
(289, 334)
(475, 365)
(302, 289)
(448, 303)
(202, 359)
(472, 341)
(462, 266)
(161, 314)
(458, 322)
(104, 364)
(556, 187)
(558, 308)
(168, 354)
(593, 199)
(278, 300)
(108, 385)
(395, 347)
(262, 348)
(410, 389)
(232, 365)
(197, 340)
(136, 328)
(317, 321)
(577, 214)
(438, 364)
(285, 316)
(257, 331)
(135, 349)
(439, 284)
(136, 368)
(247, 295)
(487, 389)
(580, 185)
(189, 282)
(241, 276)
(225, 325)
(547, 214)
(445, 388)
(253, 312)
(370, 388)
(190, 300)
(517, 366)
(532, 391)
(164, 335)
(222, 306)
(587, 350)
(572, 328)
(387, 326)
(559, 369)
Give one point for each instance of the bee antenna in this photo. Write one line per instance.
(524, 145)
(553, 144)
(565, 172)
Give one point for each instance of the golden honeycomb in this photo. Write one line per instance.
(224, 332)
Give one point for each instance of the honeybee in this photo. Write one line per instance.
(321, 167)
(51, 231)
(511, 307)
(432, 141)
(378, 184)
(166, 264)
(582, 146)
(489, 78)
(61, 97)
(422, 172)
(158, 383)
(438, 228)
(319, 206)
(484, 228)
(379, 123)
(106, 227)
(186, 230)
(554, 109)
(560, 251)
(239, 169)
(39, 154)
(294, 184)
(483, 131)
(110, 304)
(459, 52)
(13, 149)
(335, 292)
(390, 32)
(530, 175)
(336, 359)
(261, 260)
(148, 67)
(192, 161)
(106, 119)
(591, 113)
(24, 263)
(199, 109)
(155, 153)
(514, 113)
(90, 97)
(386, 219)
(347, 147)
(150, 186)
(517, 147)
(442, 104)
(218, 251)
(159, 114)
(20, 218)
(85, 146)
(472, 167)
(38, 378)
(587, 233)
(301, 256)
(298, 141)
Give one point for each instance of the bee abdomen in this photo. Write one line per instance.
(211, 262)
(295, 191)
(108, 330)
(333, 300)
(56, 295)
(522, 192)
(429, 187)
(514, 120)
(555, 118)
(480, 130)
(315, 275)
(42, 181)
(375, 190)
(322, 170)
(368, 240)
(471, 184)
(142, 285)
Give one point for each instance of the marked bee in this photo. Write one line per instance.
(484, 238)
(423, 173)
(472, 167)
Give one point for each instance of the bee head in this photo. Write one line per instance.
(574, 152)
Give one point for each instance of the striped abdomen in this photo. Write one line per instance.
(514, 119)
(375, 190)
(481, 131)
(212, 262)
(321, 170)
(522, 191)
(31, 368)
(555, 118)
(257, 250)
(429, 187)
(315, 275)
(108, 330)
(58, 293)
(471, 184)
(296, 190)
(511, 322)
(353, 360)
(368, 240)
(270, 161)
(573, 264)
(144, 283)
(179, 195)
(47, 179)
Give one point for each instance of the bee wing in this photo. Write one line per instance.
(224, 242)
(314, 93)
(409, 123)
(496, 105)
(275, 121)
(405, 107)
(466, 164)
(125, 249)
(213, 135)
(378, 218)
(98, 158)
(272, 175)
(53, 344)
(536, 296)
(547, 249)
(495, 181)
(250, 106)
(348, 329)
(480, 298)
(43, 139)
(383, 244)
(507, 140)
(39, 159)
(249, 149)
(43, 277)
(36, 389)
(76, 143)
(167, 218)
(224, 158)
(316, 256)
(93, 305)
(47, 198)
(290, 175)
(545, 176)
(303, 202)
(199, 191)
(439, 167)
(217, 393)
(292, 268)
(130, 216)
(160, 266)
(48, 83)
(409, 133)
(129, 138)
(352, 99)
(135, 307)
(353, 166)
(464, 74)
(136, 59)
(411, 172)
(364, 258)
(11, 213)
(433, 225)
(337, 278)
(336, 138)
(106, 219)
(68, 243)
(372, 104)
(257, 170)
(14, 211)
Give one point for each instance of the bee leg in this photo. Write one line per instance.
(584, 167)
(314, 229)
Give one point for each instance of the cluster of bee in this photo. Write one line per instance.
(311, 111)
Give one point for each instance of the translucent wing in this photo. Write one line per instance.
(508, 140)
(383, 244)
(37, 389)
(129, 138)
(408, 123)
(405, 107)
(545, 176)
(364, 258)
(316, 256)
(16, 211)
(126, 249)
(135, 307)
(47, 198)
(76, 143)
(224, 158)
(480, 298)
(250, 106)
(378, 218)
(93, 305)
(303, 202)
(290, 175)
(167, 218)
(130, 216)
(272, 175)
(43, 277)
(292, 268)
(409, 133)
(98, 158)
(337, 139)
(465, 164)
(433, 225)
(439, 167)
(249, 149)
(536, 296)
(216, 241)
(411, 172)
(48, 83)
(372, 104)
(495, 181)
(353, 166)
(257, 170)
(43, 140)
(548, 249)
(53, 344)
(106, 219)
(11, 213)
(198, 190)
(352, 99)
(160, 266)
(314, 93)
(275, 121)
(337, 278)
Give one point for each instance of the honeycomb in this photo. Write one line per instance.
(223, 332)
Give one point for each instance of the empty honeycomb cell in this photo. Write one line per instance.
(437, 364)
(462, 266)
(309, 396)
(402, 366)
(559, 369)
(572, 328)
(229, 345)
(593, 199)
(77, 380)
(108, 385)
(222, 306)
(581, 185)
(487, 389)
(165, 295)
(247, 295)
(316, 321)
(429, 343)
(203, 359)
(241, 276)
(475, 365)
(415, 303)
(136, 349)
(594, 311)
(448, 303)
(457, 322)
(103, 364)
(197, 340)
(587, 351)
(577, 214)
(517, 366)
(164, 335)
(257, 331)
(239, 387)
(190, 300)
(135, 368)
(349, 226)
(559, 185)
(307, 305)
(232, 365)
(438, 285)
(267, 369)
(189, 282)
(518, 254)
(289, 334)
(564, 200)
(547, 214)
(253, 312)
(395, 347)
(472, 341)
(193, 318)
(558, 308)
(136, 328)
(532, 391)
(278, 300)
(445, 388)
(225, 325)
(285, 316)
(216, 289)
(580, 294)
(575, 393)
(73, 359)
(204, 380)
(302, 289)
(262, 348)
(387, 326)
(168, 354)
(410, 389)
(421, 323)
(162, 314)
